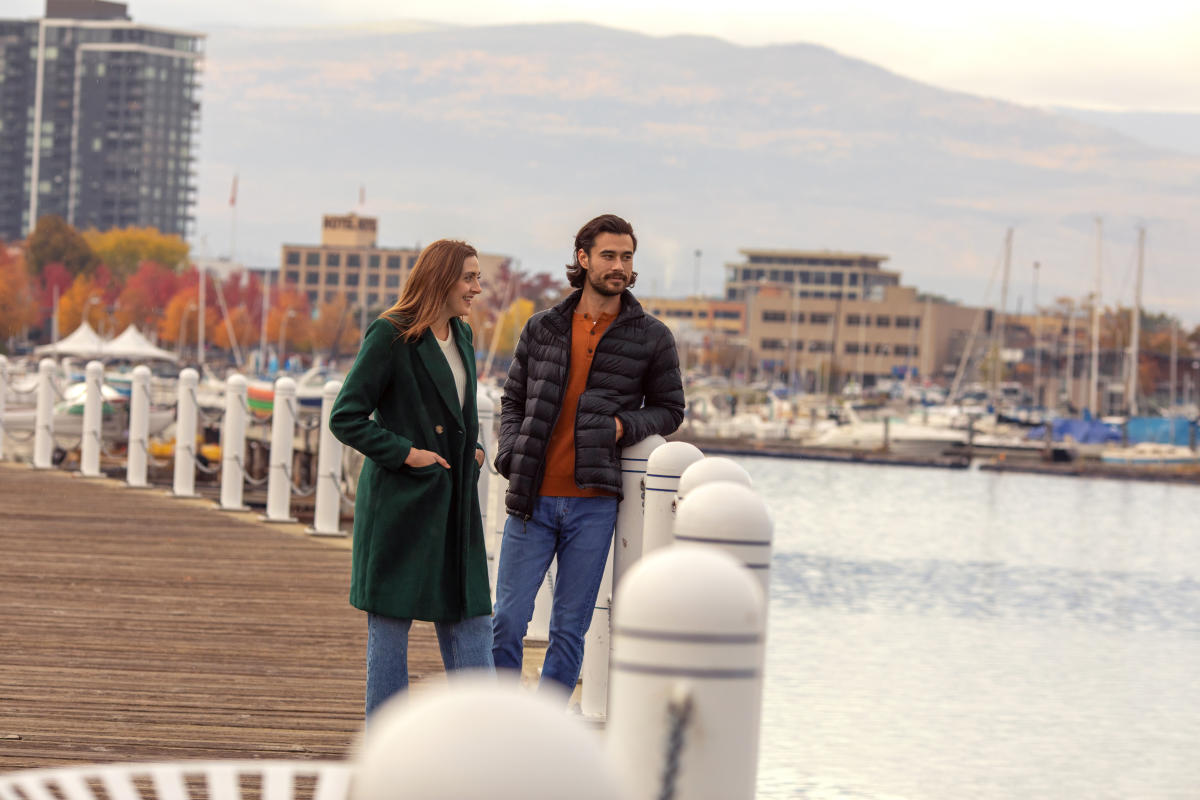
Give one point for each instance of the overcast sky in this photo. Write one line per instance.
(1089, 53)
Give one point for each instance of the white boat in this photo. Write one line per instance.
(68, 415)
(1150, 454)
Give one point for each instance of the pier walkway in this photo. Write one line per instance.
(135, 626)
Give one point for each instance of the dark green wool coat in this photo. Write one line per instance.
(418, 536)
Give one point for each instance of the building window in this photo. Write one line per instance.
(774, 316)
(724, 313)
(819, 278)
(312, 278)
(772, 344)
(312, 298)
(312, 259)
(329, 296)
(818, 318)
(853, 320)
(393, 262)
(883, 350)
(333, 259)
(351, 279)
(412, 261)
(373, 261)
(702, 314)
(331, 279)
(351, 297)
(901, 350)
(903, 322)
(353, 260)
(373, 279)
(293, 258)
(372, 300)
(819, 347)
(773, 275)
(293, 276)
(854, 279)
(393, 281)
(883, 322)
(851, 348)
(805, 276)
(836, 278)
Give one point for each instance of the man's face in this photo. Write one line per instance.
(610, 263)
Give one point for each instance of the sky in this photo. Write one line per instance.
(1093, 54)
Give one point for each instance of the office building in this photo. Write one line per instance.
(349, 262)
(98, 118)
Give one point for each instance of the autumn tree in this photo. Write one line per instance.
(333, 330)
(143, 300)
(18, 309)
(179, 323)
(245, 329)
(125, 249)
(290, 315)
(84, 300)
(53, 241)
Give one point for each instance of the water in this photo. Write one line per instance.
(964, 634)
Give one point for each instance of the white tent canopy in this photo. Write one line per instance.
(83, 342)
(131, 344)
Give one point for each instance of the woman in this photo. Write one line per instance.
(418, 535)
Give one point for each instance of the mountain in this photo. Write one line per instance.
(513, 136)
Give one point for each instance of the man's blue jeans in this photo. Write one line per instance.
(464, 645)
(578, 530)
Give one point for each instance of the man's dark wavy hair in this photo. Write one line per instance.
(586, 239)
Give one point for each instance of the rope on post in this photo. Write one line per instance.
(150, 459)
(200, 465)
(12, 437)
(205, 417)
(246, 473)
(75, 446)
(679, 712)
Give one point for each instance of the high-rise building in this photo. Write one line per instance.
(98, 118)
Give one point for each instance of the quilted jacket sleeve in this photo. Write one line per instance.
(662, 387)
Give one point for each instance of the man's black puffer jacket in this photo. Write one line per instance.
(634, 376)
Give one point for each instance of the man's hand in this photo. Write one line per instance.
(620, 429)
(479, 457)
(423, 458)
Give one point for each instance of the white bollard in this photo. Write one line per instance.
(3, 399)
(707, 470)
(496, 535)
(543, 601)
(481, 738)
(730, 517)
(597, 642)
(93, 412)
(627, 546)
(137, 455)
(233, 445)
(327, 513)
(43, 437)
(688, 652)
(283, 432)
(185, 434)
(487, 417)
(662, 478)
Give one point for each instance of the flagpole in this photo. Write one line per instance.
(233, 216)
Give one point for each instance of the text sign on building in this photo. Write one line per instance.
(349, 222)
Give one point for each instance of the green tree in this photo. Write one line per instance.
(53, 241)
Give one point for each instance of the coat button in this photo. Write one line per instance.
(438, 429)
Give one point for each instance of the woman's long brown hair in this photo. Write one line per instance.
(437, 269)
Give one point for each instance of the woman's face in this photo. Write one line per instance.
(458, 302)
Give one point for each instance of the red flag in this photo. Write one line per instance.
(233, 191)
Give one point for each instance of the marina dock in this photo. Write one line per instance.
(137, 626)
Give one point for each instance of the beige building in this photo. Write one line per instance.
(810, 311)
(350, 262)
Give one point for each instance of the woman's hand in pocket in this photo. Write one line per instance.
(424, 458)
(479, 457)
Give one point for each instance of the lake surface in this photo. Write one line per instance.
(963, 634)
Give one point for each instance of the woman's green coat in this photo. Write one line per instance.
(418, 536)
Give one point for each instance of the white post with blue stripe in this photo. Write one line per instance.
(711, 468)
(327, 513)
(93, 419)
(137, 455)
(688, 648)
(283, 433)
(184, 484)
(43, 436)
(597, 642)
(731, 517)
(665, 467)
(233, 444)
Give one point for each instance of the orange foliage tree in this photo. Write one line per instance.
(143, 300)
(17, 306)
(333, 330)
(245, 329)
(292, 306)
(178, 325)
(87, 298)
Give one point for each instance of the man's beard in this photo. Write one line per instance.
(601, 285)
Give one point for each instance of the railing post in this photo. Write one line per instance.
(663, 469)
(138, 452)
(233, 445)
(283, 433)
(487, 417)
(185, 434)
(43, 437)
(3, 399)
(731, 517)
(93, 413)
(688, 651)
(327, 513)
(597, 642)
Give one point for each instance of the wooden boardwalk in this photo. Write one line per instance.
(136, 626)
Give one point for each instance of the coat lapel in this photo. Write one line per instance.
(467, 351)
(431, 355)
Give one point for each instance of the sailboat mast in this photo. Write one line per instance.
(998, 328)
(1037, 340)
(1131, 391)
(1094, 387)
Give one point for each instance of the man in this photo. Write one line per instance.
(589, 376)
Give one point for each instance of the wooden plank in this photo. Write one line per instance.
(135, 626)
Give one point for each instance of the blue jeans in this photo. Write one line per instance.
(464, 645)
(578, 530)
